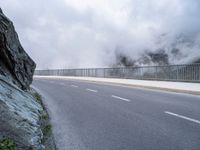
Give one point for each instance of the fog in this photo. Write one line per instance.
(89, 33)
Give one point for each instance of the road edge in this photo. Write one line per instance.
(147, 87)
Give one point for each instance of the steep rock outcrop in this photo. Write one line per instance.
(15, 64)
(22, 117)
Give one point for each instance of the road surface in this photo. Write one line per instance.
(92, 116)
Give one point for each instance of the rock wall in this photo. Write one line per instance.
(22, 117)
(19, 119)
(15, 64)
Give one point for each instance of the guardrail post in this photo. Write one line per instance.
(177, 73)
(156, 74)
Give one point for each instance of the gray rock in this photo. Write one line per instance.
(21, 115)
(15, 64)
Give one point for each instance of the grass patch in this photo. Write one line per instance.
(38, 97)
(44, 116)
(7, 144)
(47, 129)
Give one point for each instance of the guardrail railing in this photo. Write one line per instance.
(186, 73)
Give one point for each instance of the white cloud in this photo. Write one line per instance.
(77, 33)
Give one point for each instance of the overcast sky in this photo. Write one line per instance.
(87, 33)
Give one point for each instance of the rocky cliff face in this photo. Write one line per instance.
(15, 64)
(22, 118)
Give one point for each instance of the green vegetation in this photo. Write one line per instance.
(47, 129)
(44, 116)
(38, 97)
(44, 121)
(7, 144)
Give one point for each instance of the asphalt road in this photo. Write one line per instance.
(91, 116)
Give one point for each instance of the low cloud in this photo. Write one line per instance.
(74, 34)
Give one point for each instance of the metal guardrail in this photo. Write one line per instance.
(186, 73)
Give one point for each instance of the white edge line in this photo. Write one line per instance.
(91, 90)
(117, 97)
(183, 117)
(74, 86)
(62, 84)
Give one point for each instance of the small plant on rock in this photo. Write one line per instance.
(7, 144)
(48, 129)
(38, 97)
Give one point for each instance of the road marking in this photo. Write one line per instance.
(124, 99)
(74, 86)
(183, 117)
(62, 84)
(91, 90)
